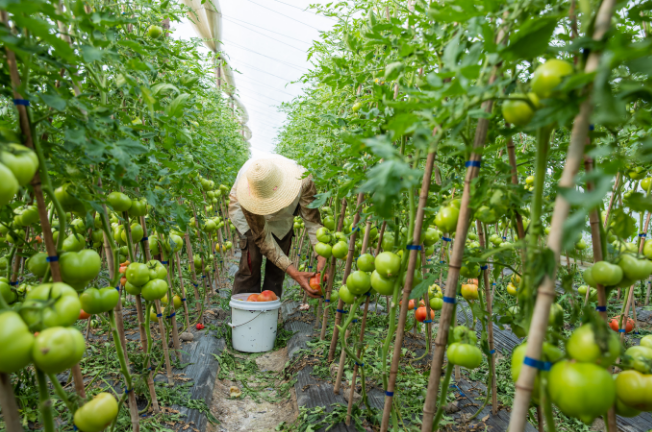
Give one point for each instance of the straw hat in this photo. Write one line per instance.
(269, 185)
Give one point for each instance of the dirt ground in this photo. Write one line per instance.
(240, 415)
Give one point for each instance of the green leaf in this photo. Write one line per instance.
(422, 287)
(54, 101)
(176, 107)
(91, 54)
(531, 39)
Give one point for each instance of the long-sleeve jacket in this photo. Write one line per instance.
(278, 224)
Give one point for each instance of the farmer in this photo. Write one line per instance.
(268, 193)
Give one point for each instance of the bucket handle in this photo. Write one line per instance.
(234, 326)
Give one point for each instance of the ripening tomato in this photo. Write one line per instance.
(58, 348)
(200, 326)
(582, 346)
(253, 298)
(421, 314)
(387, 264)
(266, 296)
(382, 285)
(315, 285)
(548, 76)
(465, 355)
(511, 289)
(614, 323)
(16, 342)
(97, 414)
(83, 315)
(581, 390)
(470, 292)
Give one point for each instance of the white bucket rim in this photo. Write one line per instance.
(239, 301)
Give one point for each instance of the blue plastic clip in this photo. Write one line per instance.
(327, 300)
(173, 314)
(446, 239)
(413, 247)
(492, 352)
(23, 102)
(183, 299)
(144, 239)
(159, 315)
(472, 163)
(341, 311)
(52, 258)
(622, 330)
(359, 364)
(388, 393)
(537, 364)
(484, 267)
(450, 300)
(428, 321)
(601, 308)
(165, 262)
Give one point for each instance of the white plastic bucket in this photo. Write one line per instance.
(254, 324)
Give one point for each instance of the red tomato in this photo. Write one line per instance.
(421, 314)
(253, 298)
(615, 324)
(83, 315)
(267, 295)
(123, 269)
(315, 285)
(199, 326)
(123, 281)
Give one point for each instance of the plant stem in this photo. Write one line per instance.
(45, 403)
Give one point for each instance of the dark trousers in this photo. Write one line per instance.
(248, 277)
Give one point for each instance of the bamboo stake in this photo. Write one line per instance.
(512, 163)
(183, 289)
(407, 288)
(172, 317)
(331, 280)
(139, 304)
(490, 324)
(340, 370)
(380, 237)
(347, 270)
(8, 404)
(454, 265)
(546, 292)
(611, 200)
(161, 326)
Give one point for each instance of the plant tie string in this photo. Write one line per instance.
(326, 300)
(196, 285)
(622, 330)
(450, 300)
(484, 267)
(442, 262)
(172, 315)
(413, 247)
(472, 163)
(165, 262)
(459, 389)
(537, 364)
(389, 393)
(341, 311)
(359, 364)
(159, 315)
(144, 239)
(368, 294)
(23, 102)
(446, 239)
(53, 258)
(643, 235)
(601, 308)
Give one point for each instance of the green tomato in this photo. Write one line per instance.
(358, 283)
(340, 250)
(646, 341)
(155, 289)
(97, 414)
(383, 286)
(465, 355)
(323, 235)
(588, 277)
(389, 242)
(432, 237)
(137, 274)
(21, 160)
(335, 296)
(581, 390)
(95, 301)
(74, 243)
(16, 341)
(633, 268)
(582, 346)
(387, 264)
(136, 234)
(37, 264)
(329, 223)
(58, 348)
(607, 274)
(324, 250)
(550, 353)
(138, 207)
(446, 219)
(8, 294)
(68, 201)
(548, 76)
(119, 201)
(641, 358)
(8, 185)
(132, 289)
(633, 389)
(346, 296)
(176, 243)
(366, 263)
(436, 303)
(14, 238)
(79, 267)
(63, 312)
(29, 216)
(517, 111)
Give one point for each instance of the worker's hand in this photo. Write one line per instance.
(303, 279)
(321, 263)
